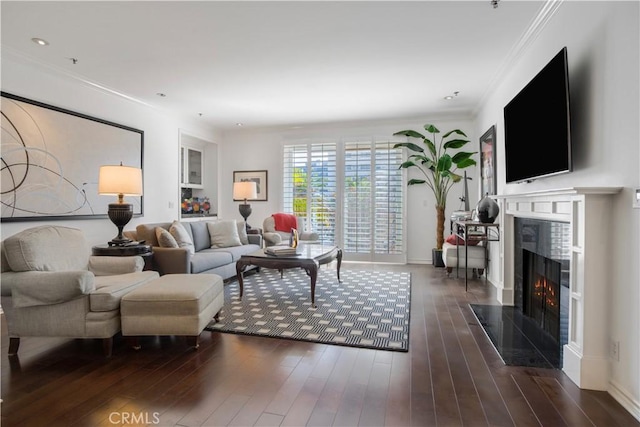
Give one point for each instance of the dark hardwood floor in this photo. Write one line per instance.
(450, 376)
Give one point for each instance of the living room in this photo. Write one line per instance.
(602, 43)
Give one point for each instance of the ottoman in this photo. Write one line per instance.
(173, 304)
(476, 258)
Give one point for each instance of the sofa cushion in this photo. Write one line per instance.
(237, 251)
(109, 290)
(224, 234)
(147, 232)
(183, 238)
(242, 232)
(47, 248)
(200, 234)
(165, 239)
(207, 259)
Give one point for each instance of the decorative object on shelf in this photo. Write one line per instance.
(261, 180)
(186, 206)
(244, 190)
(438, 166)
(205, 205)
(487, 210)
(487, 162)
(121, 181)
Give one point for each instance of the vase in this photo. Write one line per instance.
(487, 210)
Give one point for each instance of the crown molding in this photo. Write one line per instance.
(547, 11)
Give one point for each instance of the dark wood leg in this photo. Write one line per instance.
(14, 344)
(217, 317)
(240, 266)
(339, 258)
(449, 270)
(313, 274)
(107, 346)
(192, 341)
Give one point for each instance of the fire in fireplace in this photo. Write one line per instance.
(541, 289)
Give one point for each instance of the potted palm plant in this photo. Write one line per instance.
(439, 168)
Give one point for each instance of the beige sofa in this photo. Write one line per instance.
(205, 259)
(52, 287)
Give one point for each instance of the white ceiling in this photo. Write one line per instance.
(278, 63)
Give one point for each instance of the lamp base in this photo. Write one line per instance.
(245, 211)
(120, 214)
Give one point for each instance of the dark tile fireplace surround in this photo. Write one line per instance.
(533, 331)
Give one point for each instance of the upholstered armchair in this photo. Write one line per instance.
(52, 287)
(274, 237)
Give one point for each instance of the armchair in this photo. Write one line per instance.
(274, 237)
(52, 287)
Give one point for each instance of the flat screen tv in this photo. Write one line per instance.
(537, 131)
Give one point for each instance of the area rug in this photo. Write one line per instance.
(368, 309)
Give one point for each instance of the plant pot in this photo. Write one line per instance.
(436, 256)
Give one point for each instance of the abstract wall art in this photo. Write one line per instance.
(51, 158)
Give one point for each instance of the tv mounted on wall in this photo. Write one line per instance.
(537, 131)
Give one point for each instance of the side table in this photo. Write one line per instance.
(480, 231)
(144, 251)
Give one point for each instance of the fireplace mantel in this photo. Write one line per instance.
(586, 209)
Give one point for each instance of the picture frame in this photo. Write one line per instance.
(260, 177)
(488, 183)
(51, 160)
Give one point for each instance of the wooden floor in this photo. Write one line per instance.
(451, 376)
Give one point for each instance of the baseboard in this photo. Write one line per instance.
(623, 398)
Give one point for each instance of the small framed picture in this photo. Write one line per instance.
(488, 183)
(261, 180)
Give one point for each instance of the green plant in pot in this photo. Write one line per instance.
(439, 165)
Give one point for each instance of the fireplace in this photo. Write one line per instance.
(541, 290)
(541, 260)
(569, 225)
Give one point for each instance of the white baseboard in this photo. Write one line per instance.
(625, 399)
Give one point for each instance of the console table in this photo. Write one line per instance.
(478, 231)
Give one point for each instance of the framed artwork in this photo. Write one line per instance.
(51, 158)
(259, 177)
(488, 183)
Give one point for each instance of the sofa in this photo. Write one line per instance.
(197, 253)
(53, 287)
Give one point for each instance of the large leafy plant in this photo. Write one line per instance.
(439, 167)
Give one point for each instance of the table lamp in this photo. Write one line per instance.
(121, 181)
(244, 190)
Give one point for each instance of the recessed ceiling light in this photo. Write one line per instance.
(448, 97)
(161, 95)
(39, 41)
(238, 124)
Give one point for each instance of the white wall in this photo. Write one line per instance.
(161, 140)
(259, 150)
(602, 40)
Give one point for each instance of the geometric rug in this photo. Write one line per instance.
(368, 309)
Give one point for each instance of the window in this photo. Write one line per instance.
(361, 180)
(309, 181)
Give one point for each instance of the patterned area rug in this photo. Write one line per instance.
(368, 309)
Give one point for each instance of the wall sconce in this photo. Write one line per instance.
(121, 181)
(245, 190)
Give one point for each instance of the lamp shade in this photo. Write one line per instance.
(245, 190)
(125, 180)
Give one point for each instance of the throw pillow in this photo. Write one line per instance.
(182, 237)
(165, 239)
(224, 234)
(452, 240)
(242, 232)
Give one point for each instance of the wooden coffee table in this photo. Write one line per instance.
(310, 257)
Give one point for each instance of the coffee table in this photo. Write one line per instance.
(309, 257)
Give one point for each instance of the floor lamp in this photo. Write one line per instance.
(120, 181)
(244, 190)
